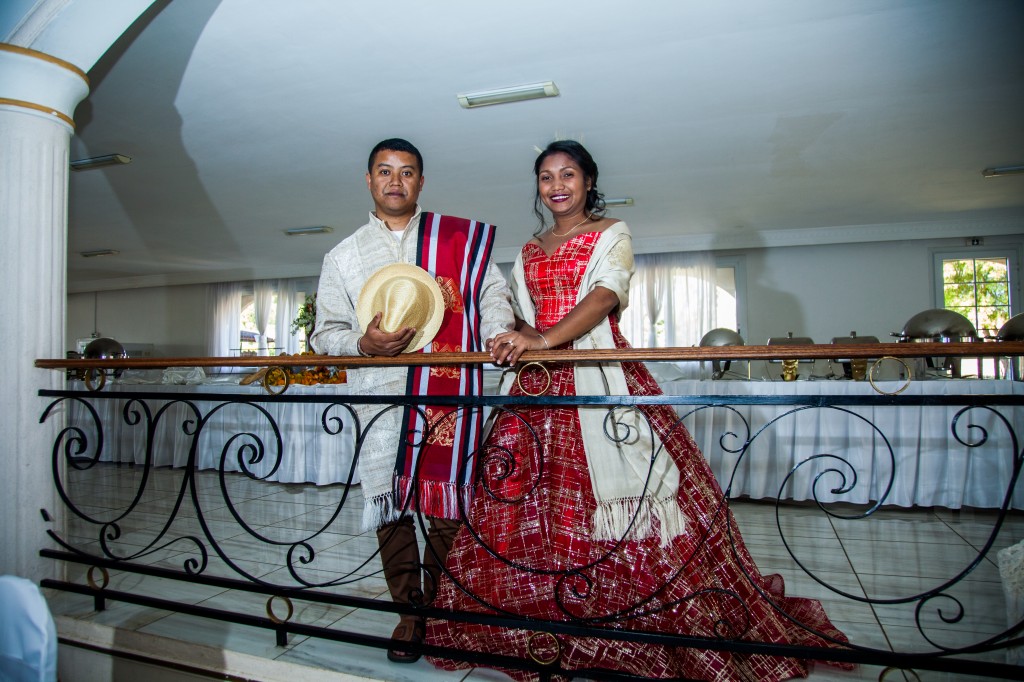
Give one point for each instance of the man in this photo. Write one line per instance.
(410, 460)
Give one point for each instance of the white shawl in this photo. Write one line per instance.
(634, 479)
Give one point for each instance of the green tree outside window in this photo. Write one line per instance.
(978, 289)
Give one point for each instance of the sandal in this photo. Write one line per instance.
(407, 631)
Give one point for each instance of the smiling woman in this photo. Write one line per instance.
(591, 527)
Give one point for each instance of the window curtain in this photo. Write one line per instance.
(672, 302)
(287, 309)
(224, 312)
(263, 304)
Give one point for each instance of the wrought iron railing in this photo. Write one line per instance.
(182, 538)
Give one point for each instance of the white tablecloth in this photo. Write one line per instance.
(308, 453)
(931, 467)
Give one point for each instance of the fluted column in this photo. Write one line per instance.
(38, 96)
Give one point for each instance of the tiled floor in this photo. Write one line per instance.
(892, 554)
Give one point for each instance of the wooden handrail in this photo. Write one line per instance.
(686, 354)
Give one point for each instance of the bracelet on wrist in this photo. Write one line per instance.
(359, 348)
(544, 339)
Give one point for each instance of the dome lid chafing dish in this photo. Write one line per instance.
(938, 324)
(1012, 329)
(104, 348)
(721, 337)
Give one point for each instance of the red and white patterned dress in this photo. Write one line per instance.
(527, 548)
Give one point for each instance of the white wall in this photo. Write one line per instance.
(816, 291)
(828, 291)
(173, 319)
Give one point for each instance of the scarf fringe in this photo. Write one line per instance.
(438, 499)
(612, 519)
(379, 511)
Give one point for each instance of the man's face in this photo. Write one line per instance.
(395, 182)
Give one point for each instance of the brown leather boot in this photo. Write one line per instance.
(440, 536)
(400, 555)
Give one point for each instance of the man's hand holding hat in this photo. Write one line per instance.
(400, 309)
(376, 341)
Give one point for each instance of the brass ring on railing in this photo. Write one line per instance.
(92, 581)
(532, 649)
(270, 609)
(273, 389)
(89, 376)
(522, 369)
(871, 375)
(885, 672)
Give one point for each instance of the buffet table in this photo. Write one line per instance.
(308, 455)
(931, 467)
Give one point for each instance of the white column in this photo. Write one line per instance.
(38, 95)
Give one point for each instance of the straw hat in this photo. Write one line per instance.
(408, 296)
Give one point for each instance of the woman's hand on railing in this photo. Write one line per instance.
(506, 348)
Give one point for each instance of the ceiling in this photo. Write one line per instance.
(732, 124)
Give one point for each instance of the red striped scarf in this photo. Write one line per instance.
(436, 459)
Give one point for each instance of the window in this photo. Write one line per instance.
(251, 342)
(672, 300)
(978, 289)
(240, 311)
(676, 298)
(981, 285)
(730, 283)
(277, 336)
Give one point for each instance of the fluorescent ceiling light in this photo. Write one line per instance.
(999, 171)
(516, 93)
(100, 162)
(619, 201)
(302, 231)
(98, 252)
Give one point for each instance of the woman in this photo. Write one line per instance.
(598, 517)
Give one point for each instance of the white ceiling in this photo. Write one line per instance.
(732, 123)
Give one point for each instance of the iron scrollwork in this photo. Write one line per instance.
(186, 522)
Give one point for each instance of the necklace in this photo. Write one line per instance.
(571, 229)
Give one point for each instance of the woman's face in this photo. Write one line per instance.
(562, 186)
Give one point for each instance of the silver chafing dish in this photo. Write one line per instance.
(854, 368)
(790, 367)
(1012, 329)
(939, 325)
(720, 337)
(790, 340)
(105, 348)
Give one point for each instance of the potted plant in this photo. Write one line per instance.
(306, 318)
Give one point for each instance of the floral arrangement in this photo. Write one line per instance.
(307, 315)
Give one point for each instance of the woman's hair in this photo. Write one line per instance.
(578, 153)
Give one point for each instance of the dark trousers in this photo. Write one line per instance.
(399, 552)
